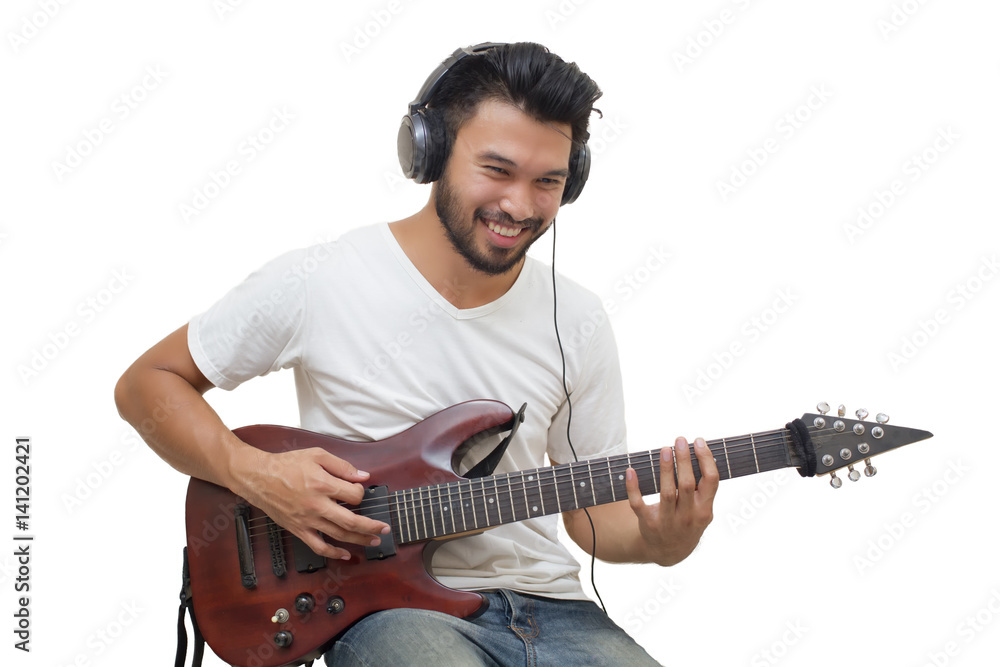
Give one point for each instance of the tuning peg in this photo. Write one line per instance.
(822, 407)
(882, 418)
(835, 481)
(853, 474)
(870, 470)
(841, 410)
(861, 413)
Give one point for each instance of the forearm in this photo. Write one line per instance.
(617, 532)
(160, 395)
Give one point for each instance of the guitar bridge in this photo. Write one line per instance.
(244, 548)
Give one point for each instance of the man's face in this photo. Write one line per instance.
(502, 185)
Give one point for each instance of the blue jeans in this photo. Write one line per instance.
(517, 629)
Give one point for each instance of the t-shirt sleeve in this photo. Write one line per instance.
(253, 329)
(598, 404)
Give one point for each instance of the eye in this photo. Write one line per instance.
(496, 170)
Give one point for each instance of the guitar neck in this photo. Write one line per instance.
(443, 510)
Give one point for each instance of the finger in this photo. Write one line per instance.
(668, 481)
(338, 467)
(709, 482)
(314, 541)
(634, 495)
(685, 474)
(360, 529)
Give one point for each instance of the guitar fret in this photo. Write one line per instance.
(499, 490)
(754, 448)
(409, 515)
(423, 513)
(590, 476)
(572, 483)
(524, 489)
(653, 467)
(541, 496)
(475, 520)
(611, 481)
(451, 509)
(486, 507)
(725, 450)
(441, 509)
(555, 486)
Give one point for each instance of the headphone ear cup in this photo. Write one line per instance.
(421, 146)
(579, 171)
(411, 147)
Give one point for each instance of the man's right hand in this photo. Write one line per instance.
(300, 491)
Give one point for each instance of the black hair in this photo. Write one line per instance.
(525, 75)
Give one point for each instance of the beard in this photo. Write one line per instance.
(492, 261)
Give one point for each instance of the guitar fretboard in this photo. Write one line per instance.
(441, 510)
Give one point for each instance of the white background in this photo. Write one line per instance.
(889, 570)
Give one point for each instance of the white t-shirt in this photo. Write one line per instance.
(375, 349)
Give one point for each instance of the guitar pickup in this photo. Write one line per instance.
(380, 512)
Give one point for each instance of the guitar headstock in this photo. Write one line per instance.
(840, 442)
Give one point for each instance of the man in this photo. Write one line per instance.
(471, 317)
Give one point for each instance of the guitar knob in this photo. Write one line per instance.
(870, 470)
(822, 407)
(280, 616)
(335, 605)
(835, 481)
(853, 474)
(304, 603)
(283, 639)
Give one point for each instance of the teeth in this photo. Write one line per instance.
(503, 231)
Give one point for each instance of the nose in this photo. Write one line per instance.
(518, 201)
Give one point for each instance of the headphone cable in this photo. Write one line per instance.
(569, 419)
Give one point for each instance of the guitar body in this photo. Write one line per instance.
(236, 621)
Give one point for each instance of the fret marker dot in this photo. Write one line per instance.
(583, 484)
(491, 500)
(621, 476)
(534, 508)
(531, 478)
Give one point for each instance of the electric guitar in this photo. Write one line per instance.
(262, 598)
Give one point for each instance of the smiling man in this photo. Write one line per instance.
(501, 131)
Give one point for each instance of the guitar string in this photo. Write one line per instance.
(432, 500)
(561, 474)
(569, 470)
(424, 503)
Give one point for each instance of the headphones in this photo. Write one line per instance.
(420, 144)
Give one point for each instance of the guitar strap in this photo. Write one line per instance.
(490, 461)
(186, 604)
